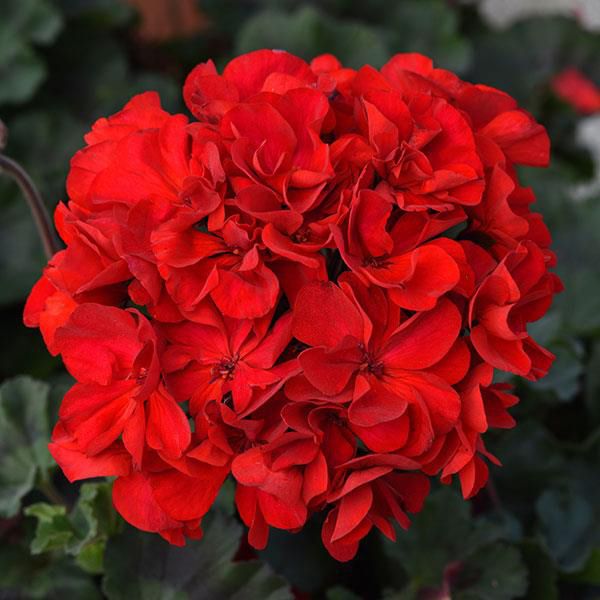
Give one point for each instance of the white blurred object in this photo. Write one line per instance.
(588, 136)
(503, 13)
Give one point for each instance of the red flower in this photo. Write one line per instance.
(112, 353)
(574, 88)
(414, 276)
(372, 495)
(517, 291)
(228, 267)
(498, 123)
(361, 345)
(307, 288)
(206, 362)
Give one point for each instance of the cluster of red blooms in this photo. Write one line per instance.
(308, 288)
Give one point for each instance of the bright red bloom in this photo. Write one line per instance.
(581, 93)
(307, 289)
(518, 291)
(501, 128)
(383, 252)
(206, 362)
(113, 355)
(372, 495)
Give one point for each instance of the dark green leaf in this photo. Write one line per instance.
(531, 460)
(592, 382)
(20, 76)
(21, 255)
(433, 540)
(564, 378)
(542, 574)
(140, 565)
(30, 577)
(83, 532)
(340, 593)
(566, 527)
(24, 435)
(410, 30)
(308, 32)
(591, 570)
(494, 572)
(23, 22)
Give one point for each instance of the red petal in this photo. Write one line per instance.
(248, 72)
(352, 509)
(324, 315)
(330, 372)
(381, 403)
(185, 498)
(424, 339)
(134, 500)
(168, 430)
(77, 465)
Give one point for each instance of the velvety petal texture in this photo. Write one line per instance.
(305, 288)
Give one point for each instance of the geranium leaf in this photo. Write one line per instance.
(566, 527)
(24, 434)
(140, 565)
(83, 532)
(308, 32)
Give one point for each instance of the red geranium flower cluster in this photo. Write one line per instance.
(308, 288)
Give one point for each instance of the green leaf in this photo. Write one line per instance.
(140, 565)
(44, 23)
(566, 527)
(410, 30)
(91, 557)
(592, 383)
(21, 76)
(32, 577)
(433, 540)
(105, 14)
(564, 378)
(24, 435)
(23, 22)
(460, 553)
(590, 573)
(531, 460)
(308, 32)
(494, 572)
(34, 20)
(21, 254)
(340, 593)
(542, 574)
(53, 529)
(83, 532)
(94, 520)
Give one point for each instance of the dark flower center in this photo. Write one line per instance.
(224, 369)
(370, 363)
(300, 236)
(376, 262)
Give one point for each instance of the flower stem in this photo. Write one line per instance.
(40, 215)
(48, 489)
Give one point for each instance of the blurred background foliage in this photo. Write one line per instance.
(534, 533)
